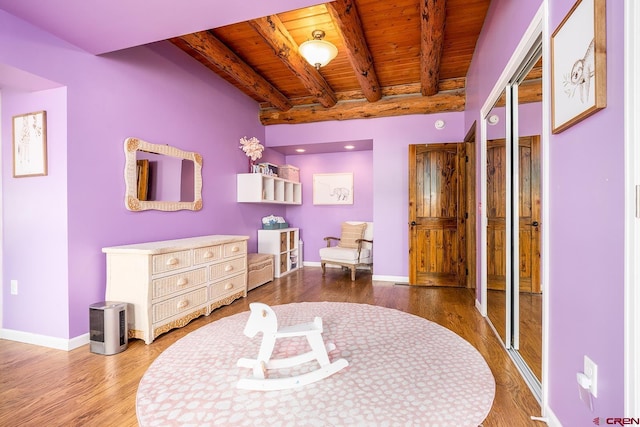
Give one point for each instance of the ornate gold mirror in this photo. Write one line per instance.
(161, 177)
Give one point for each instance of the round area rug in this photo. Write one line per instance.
(403, 370)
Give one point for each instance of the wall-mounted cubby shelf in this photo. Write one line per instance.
(260, 188)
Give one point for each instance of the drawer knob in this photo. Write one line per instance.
(228, 268)
(182, 281)
(228, 286)
(208, 254)
(183, 303)
(172, 261)
(235, 249)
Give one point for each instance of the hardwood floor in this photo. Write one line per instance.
(530, 325)
(45, 387)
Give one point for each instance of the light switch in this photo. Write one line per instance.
(14, 287)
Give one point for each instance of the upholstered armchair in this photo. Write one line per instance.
(353, 249)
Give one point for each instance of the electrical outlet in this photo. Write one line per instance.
(591, 371)
(14, 287)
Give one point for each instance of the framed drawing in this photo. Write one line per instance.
(332, 188)
(30, 144)
(579, 65)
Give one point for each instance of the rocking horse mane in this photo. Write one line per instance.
(262, 319)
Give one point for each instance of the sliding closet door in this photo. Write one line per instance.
(527, 115)
(513, 210)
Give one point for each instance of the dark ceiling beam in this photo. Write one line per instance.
(218, 54)
(357, 95)
(345, 16)
(432, 15)
(528, 91)
(386, 107)
(276, 35)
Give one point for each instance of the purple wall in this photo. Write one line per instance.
(35, 222)
(587, 243)
(586, 182)
(156, 93)
(503, 28)
(318, 221)
(391, 137)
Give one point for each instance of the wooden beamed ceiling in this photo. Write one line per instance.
(394, 58)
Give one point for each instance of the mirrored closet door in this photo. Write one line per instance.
(513, 208)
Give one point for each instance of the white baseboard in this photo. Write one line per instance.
(44, 340)
(382, 278)
(395, 279)
(311, 263)
(552, 420)
(479, 308)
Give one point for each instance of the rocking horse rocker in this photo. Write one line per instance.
(263, 319)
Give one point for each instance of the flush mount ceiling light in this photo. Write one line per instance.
(300, 150)
(493, 119)
(439, 124)
(349, 147)
(318, 52)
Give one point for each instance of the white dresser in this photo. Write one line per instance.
(169, 283)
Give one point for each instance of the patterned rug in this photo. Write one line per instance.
(403, 370)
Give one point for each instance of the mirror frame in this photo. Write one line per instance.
(131, 201)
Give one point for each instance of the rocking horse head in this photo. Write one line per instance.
(262, 319)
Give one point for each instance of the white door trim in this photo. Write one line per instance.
(632, 220)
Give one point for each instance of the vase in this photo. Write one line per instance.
(251, 165)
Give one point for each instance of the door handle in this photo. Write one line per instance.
(535, 223)
(413, 223)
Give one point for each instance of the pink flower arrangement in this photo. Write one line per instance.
(251, 147)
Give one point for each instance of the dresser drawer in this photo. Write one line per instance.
(171, 261)
(182, 303)
(208, 254)
(177, 282)
(235, 248)
(228, 286)
(226, 268)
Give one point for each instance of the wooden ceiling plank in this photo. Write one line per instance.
(431, 40)
(276, 35)
(219, 55)
(451, 101)
(345, 15)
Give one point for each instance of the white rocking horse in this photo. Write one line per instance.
(263, 319)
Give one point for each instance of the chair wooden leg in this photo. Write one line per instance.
(353, 273)
(322, 264)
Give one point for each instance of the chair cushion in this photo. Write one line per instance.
(337, 253)
(351, 233)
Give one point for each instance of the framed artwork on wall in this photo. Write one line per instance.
(30, 144)
(333, 188)
(579, 64)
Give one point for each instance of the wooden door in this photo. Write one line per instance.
(496, 214)
(529, 212)
(437, 204)
(470, 207)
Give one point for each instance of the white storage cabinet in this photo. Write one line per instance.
(283, 243)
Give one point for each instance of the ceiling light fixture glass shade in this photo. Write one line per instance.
(318, 52)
